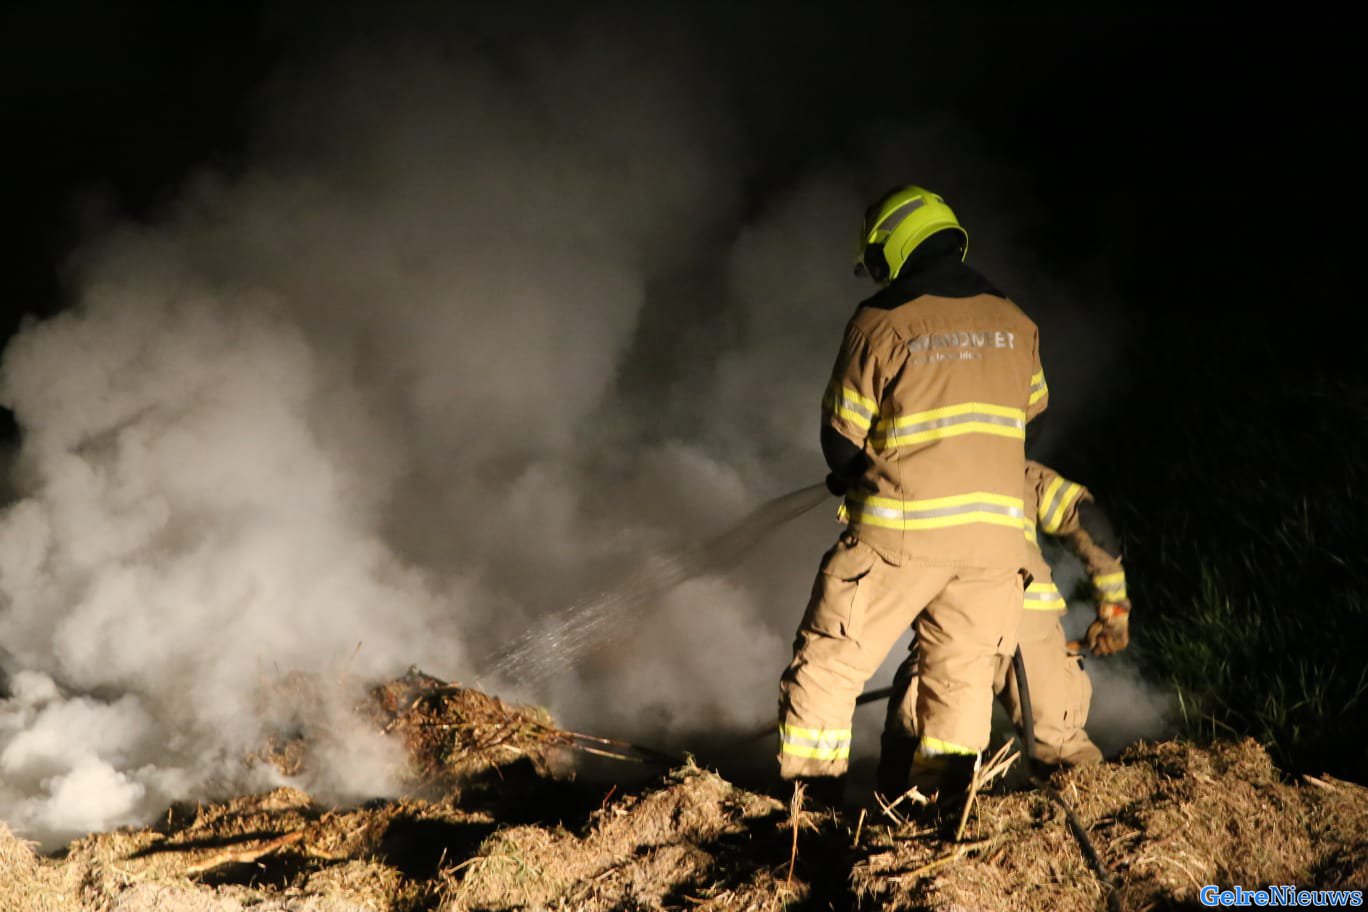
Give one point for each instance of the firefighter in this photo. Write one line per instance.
(923, 429)
(1059, 687)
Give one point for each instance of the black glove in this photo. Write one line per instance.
(836, 484)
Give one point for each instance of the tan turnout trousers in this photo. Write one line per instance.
(1060, 695)
(861, 603)
(1061, 692)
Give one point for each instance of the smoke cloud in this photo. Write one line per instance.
(470, 332)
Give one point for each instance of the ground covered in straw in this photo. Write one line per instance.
(506, 827)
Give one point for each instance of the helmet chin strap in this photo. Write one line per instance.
(875, 264)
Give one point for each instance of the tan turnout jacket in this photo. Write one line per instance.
(938, 392)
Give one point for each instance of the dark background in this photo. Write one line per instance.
(1202, 160)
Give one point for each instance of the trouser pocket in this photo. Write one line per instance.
(841, 589)
(1080, 694)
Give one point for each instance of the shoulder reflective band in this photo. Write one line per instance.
(950, 421)
(1054, 503)
(815, 743)
(1039, 389)
(1044, 597)
(844, 402)
(1111, 586)
(936, 513)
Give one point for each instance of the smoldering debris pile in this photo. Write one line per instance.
(451, 736)
(453, 733)
(1165, 819)
(280, 852)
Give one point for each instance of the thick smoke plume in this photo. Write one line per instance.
(467, 336)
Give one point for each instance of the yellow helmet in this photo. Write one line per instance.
(896, 225)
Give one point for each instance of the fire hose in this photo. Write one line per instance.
(1076, 827)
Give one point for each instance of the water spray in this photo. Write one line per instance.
(594, 620)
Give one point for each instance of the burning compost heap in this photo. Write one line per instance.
(450, 735)
(498, 820)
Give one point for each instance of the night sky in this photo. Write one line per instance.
(1193, 165)
(1199, 161)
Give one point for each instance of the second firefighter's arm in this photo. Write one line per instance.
(1068, 510)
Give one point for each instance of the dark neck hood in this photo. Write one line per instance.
(944, 276)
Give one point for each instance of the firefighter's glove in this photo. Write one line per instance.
(836, 484)
(1110, 633)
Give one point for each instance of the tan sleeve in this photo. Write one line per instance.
(1058, 515)
(1040, 391)
(1038, 475)
(1057, 501)
(851, 404)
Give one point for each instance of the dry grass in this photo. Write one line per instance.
(698, 839)
(1165, 819)
(30, 885)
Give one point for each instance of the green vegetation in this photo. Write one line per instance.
(1245, 519)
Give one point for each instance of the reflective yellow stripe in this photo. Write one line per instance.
(1050, 490)
(815, 743)
(846, 403)
(1031, 536)
(950, 411)
(1111, 585)
(1039, 388)
(1044, 597)
(950, 421)
(814, 733)
(864, 402)
(895, 438)
(941, 522)
(854, 417)
(937, 512)
(934, 747)
(950, 500)
(1054, 503)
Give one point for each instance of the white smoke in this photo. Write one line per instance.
(431, 364)
(1125, 707)
(340, 411)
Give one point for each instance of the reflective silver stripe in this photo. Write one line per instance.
(1038, 385)
(890, 513)
(1055, 501)
(966, 418)
(895, 218)
(1047, 596)
(826, 742)
(855, 406)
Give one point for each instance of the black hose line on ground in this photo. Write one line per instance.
(1024, 697)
